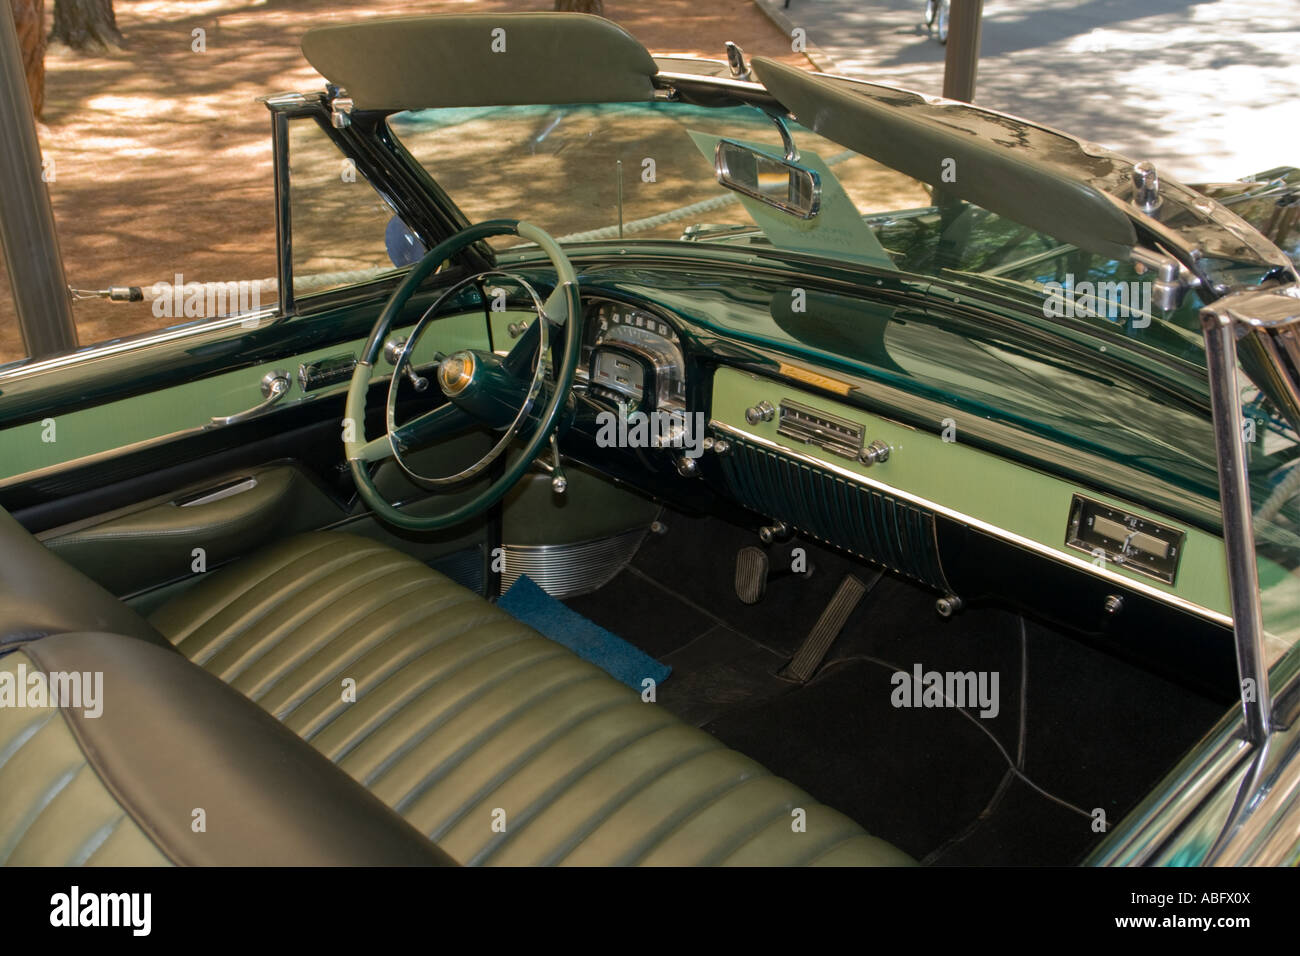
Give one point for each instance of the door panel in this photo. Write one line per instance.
(114, 427)
(198, 528)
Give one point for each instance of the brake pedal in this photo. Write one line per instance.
(751, 574)
(815, 646)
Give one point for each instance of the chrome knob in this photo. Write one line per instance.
(419, 382)
(393, 348)
(762, 412)
(1146, 186)
(874, 453)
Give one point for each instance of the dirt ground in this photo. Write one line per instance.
(162, 159)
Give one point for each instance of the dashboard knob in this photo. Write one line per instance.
(874, 453)
(762, 412)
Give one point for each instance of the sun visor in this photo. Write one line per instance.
(1007, 172)
(506, 59)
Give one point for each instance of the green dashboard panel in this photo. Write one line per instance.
(981, 490)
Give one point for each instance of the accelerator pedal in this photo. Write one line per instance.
(751, 574)
(815, 646)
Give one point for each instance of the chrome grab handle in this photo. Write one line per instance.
(275, 385)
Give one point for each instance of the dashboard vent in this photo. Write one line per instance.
(861, 520)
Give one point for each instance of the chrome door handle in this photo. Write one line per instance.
(275, 385)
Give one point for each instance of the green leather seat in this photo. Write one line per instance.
(498, 744)
(335, 702)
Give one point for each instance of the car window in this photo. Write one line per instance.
(343, 231)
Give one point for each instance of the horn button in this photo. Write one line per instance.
(455, 373)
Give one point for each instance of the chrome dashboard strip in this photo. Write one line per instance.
(1027, 543)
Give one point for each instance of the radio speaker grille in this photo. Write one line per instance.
(861, 520)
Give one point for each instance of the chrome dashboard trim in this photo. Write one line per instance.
(1027, 543)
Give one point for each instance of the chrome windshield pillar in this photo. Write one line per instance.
(1221, 329)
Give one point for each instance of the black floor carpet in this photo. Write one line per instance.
(1076, 729)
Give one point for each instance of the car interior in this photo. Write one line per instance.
(296, 614)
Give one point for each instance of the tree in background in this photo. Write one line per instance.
(29, 18)
(86, 25)
(582, 6)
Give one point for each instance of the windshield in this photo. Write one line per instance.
(644, 171)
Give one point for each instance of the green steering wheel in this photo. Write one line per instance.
(477, 383)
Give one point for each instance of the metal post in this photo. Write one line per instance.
(283, 222)
(1238, 528)
(962, 57)
(31, 247)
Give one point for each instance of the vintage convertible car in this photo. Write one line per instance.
(948, 461)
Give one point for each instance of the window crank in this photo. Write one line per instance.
(393, 353)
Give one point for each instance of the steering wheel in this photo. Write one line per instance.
(481, 387)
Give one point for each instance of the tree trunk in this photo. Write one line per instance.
(582, 6)
(29, 18)
(86, 25)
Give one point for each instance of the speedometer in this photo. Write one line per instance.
(633, 356)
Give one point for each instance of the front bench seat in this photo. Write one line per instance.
(500, 745)
(169, 765)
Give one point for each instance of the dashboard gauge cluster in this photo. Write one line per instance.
(633, 357)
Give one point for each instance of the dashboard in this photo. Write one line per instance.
(794, 445)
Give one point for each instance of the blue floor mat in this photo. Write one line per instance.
(527, 602)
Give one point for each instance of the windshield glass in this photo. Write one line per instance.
(644, 171)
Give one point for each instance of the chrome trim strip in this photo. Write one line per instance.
(666, 78)
(1027, 543)
(252, 320)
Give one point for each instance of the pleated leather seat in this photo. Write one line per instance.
(500, 745)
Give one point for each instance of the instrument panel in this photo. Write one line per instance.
(632, 357)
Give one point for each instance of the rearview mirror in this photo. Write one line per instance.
(792, 188)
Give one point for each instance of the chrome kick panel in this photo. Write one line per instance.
(1139, 544)
(565, 570)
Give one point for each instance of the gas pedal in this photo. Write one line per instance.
(815, 646)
